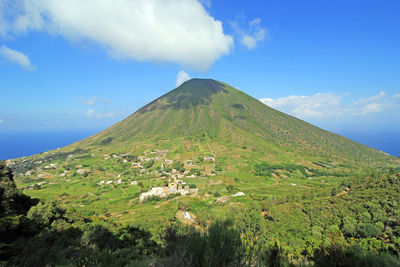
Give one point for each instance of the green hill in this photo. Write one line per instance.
(207, 112)
(212, 158)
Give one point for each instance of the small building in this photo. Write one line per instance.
(193, 191)
(54, 166)
(172, 188)
(222, 199)
(82, 171)
(209, 159)
(136, 165)
(141, 158)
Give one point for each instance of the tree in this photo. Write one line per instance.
(45, 213)
(220, 246)
(334, 191)
(230, 188)
(140, 184)
(177, 165)
(225, 245)
(138, 239)
(349, 226)
(12, 201)
(368, 230)
(100, 237)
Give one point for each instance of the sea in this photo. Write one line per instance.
(387, 141)
(20, 143)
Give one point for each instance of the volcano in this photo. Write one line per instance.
(205, 116)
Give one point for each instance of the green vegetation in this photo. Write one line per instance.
(341, 231)
(272, 191)
(203, 114)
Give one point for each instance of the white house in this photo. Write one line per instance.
(186, 215)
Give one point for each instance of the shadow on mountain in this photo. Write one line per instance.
(194, 92)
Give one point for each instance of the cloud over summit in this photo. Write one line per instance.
(181, 78)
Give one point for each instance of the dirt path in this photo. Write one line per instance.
(212, 152)
(165, 202)
(344, 192)
(191, 221)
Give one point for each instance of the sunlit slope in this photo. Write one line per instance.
(207, 112)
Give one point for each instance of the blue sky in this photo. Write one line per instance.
(86, 65)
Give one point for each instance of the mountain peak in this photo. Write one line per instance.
(204, 113)
(193, 92)
(199, 88)
(200, 82)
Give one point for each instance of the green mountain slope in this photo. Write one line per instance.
(205, 112)
(281, 179)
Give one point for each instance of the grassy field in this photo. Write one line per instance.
(119, 202)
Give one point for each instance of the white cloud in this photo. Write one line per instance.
(362, 101)
(329, 105)
(181, 78)
(371, 108)
(90, 102)
(373, 104)
(318, 105)
(251, 34)
(206, 3)
(91, 114)
(16, 57)
(179, 31)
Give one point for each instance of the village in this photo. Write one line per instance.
(152, 165)
(175, 187)
(164, 177)
(153, 172)
(175, 173)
